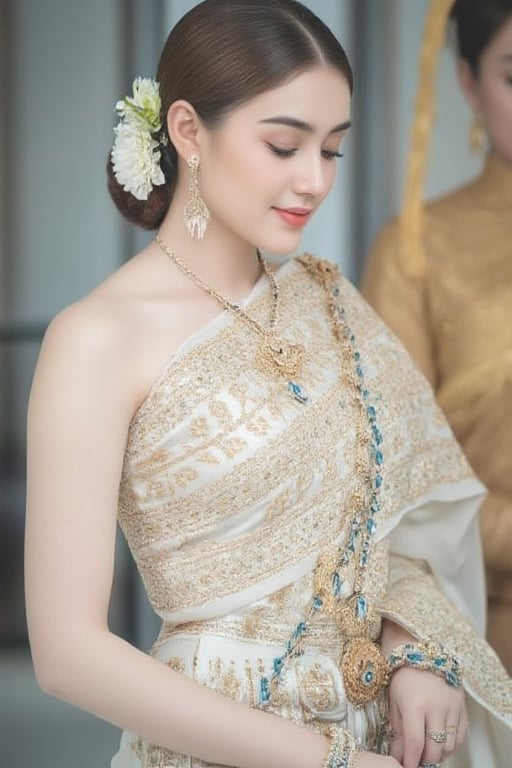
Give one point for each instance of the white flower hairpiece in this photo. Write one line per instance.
(136, 154)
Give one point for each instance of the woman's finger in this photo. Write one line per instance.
(413, 723)
(436, 741)
(395, 733)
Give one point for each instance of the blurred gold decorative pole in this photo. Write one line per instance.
(411, 221)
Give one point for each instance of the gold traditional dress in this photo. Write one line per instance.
(456, 321)
(232, 488)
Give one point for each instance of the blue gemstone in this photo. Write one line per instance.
(278, 665)
(368, 677)
(452, 679)
(299, 630)
(361, 607)
(317, 603)
(264, 691)
(336, 583)
(298, 392)
(378, 481)
(379, 458)
(371, 525)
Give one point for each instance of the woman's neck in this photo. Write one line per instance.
(222, 259)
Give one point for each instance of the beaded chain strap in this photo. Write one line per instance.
(365, 671)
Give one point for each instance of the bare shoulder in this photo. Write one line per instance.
(94, 342)
(92, 331)
(123, 332)
(94, 326)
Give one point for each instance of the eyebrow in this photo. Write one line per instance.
(293, 122)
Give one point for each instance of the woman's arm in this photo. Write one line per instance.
(81, 403)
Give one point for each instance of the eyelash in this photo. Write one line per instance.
(284, 153)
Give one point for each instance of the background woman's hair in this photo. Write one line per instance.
(220, 55)
(477, 22)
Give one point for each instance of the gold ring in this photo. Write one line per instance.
(439, 737)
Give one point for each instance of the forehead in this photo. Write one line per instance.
(501, 44)
(319, 96)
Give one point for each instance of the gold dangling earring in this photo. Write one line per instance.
(477, 135)
(196, 215)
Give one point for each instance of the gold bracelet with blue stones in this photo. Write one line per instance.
(428, 656)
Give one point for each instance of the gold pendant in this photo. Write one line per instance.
(355, 618)
(275, 353)
(324, 569)
(365, 671)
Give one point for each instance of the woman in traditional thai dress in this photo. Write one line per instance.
(304, 522)
(451, 304)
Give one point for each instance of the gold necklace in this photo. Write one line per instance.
(274, 354)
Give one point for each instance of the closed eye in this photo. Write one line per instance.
(280, 152)
(327, 154)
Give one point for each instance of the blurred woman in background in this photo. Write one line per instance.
(452, 305)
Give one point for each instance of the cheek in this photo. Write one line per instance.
(250, 168)
(498, 107)
(332, 172)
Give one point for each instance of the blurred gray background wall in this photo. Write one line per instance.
(63, 65)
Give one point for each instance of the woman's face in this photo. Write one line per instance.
(490, 93)
(273, 161)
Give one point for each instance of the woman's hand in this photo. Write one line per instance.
(427, 717)
(370, 760)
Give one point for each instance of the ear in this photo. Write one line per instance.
(185, 128)
(469, 84)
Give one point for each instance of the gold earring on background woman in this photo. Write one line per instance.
(476, 135)
(196, 214)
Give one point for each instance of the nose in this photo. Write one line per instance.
(314, 176)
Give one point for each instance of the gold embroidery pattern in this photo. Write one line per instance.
(414, 601)
(213, 452)
(224, 470)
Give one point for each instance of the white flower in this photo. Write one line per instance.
(144, 106)
(135, 154)
(136, 160)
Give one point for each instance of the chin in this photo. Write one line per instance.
(278, 250)
(278, 258)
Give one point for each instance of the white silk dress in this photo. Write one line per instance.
(232, 488)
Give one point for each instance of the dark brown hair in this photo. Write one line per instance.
(220, 55)
(477, 22)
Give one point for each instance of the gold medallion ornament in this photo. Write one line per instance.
(364, 669)
(273, 352)
(274, 355)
